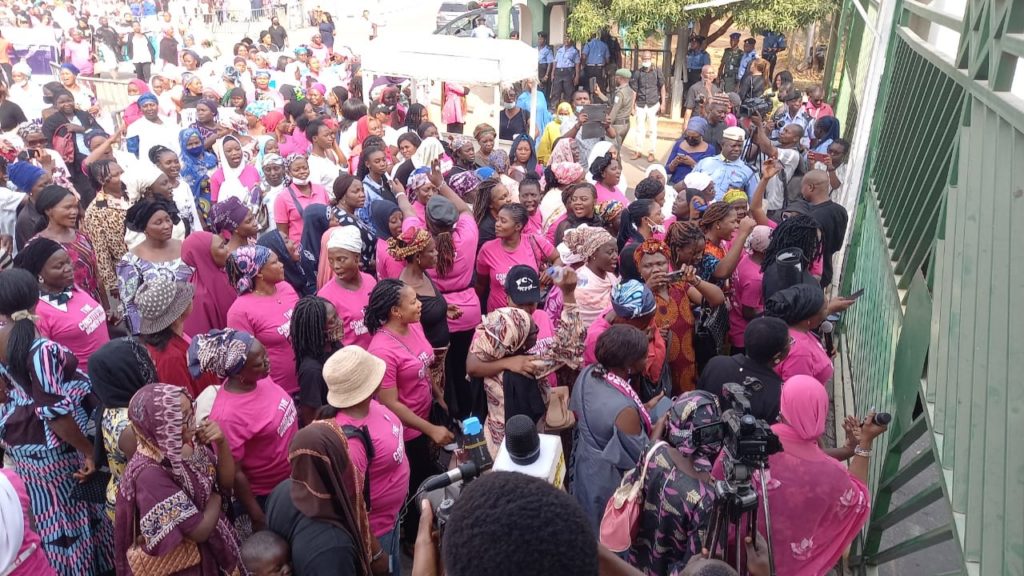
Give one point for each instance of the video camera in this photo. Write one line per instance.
(744, 438)
(758, 106)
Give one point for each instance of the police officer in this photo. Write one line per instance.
(567, 73)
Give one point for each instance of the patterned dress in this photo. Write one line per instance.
(133, 271)
(675, 314)
(675, 512)
(76, 536)
(104, 224)
(83, 258)
(115, 420)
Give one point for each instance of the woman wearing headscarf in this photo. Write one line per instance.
(819, 504)
(348, 288)
(207, 255)
(257, 417)
(679, 494)
(254, 112)
(613, 424)
(42, 429)
(605, 172)
(104, 219)
(320, 508)
(826, 131)
(687, 151)
(386, 220)
(349, 197)
(558, 177)
(523, 155)
(273, 180)
(597, 276)
(488, 154)
(553, 130)
(463, 155)
(196, 163)
(158, 256)
(118, 370)
(136, 88)
(233, 177)
(166, 473)
(299, 265)
(21, 550)
(233, 220)
(67, 314)
(746, 299)
(263, 307)
(803, 308)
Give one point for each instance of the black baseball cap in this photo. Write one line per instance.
(522, 284)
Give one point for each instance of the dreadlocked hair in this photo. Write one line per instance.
(385, 296)
(483, 199)
(445, 253)
(309, 330)
(682, 235)
(99, 173)
(799, 231)
(648, 189)
(19, 292)
(715, 213)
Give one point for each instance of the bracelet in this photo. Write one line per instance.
(862, 452)
(377, 555)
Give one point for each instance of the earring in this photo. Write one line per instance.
(39, 279)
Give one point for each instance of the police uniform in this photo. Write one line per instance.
(562, 86)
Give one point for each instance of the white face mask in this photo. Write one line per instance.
(646, 63)
(508, 105)
(299, 182)
(656, 228)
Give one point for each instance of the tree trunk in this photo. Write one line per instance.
(718, 33)
(679, 72)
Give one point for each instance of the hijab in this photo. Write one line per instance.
(324, 487)
(315, 221)
(214, 294)
(219, 352)
(244, 264)
(380, 214)
(118, 370)
(194, 167)
(501, 334)
(232, 185)
(300, 275)
(531, 163)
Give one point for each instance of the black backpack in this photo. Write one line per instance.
(363, 434)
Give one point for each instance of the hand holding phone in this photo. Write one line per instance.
(855, 295)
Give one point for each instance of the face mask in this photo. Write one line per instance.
(693, 141)
(195, 150)
(656, 228)
(508, 105)
(646, 63)
(300, 181)
(579, 109)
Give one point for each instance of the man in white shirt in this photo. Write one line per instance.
(787, 152)
(26, 93)
(482, 30)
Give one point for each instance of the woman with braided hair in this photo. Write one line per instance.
(104, 220)
(316, 333)
(393, 317)
(798, 235)
(720, 225)
(257, 417)
(417, 248)
(511, 247)
(491, 196)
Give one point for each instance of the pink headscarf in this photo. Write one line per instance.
(132, 111)
(804, 407)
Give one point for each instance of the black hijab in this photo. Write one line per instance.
(117, 371)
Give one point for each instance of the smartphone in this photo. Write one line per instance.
(856, 294)
(675, 276)
(817, 156)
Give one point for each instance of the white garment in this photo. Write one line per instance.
(151, 135)
(482, 31)
(600, 149)
(646, 130)
(140, 50)
(775, 192)
(29, 97)
(323, 171)
(12, 519)
(9, 202)
(186, 203)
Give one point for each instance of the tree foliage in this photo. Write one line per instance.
(640, 19)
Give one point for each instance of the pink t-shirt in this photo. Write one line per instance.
(268, 318)
(408, 359)
(494, 262)
(285, 211)
(350, 305)
(806, 356)
(816, 267)
(80, 324)
(389, 470)
(294, 143)
(535, 224)
(36, 563)
(259, 426)
(457, 285)
(605, 194)
(387, 267)
(746, 291)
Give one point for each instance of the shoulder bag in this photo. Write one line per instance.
(622, 513)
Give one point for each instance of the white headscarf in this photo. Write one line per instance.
(347, 238)
(600, 149)
(232, 185)
(429, 150)
(12, 521)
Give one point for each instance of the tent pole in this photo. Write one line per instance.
(496, 109)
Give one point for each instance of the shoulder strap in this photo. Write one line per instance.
(363, 434)
(295, 199)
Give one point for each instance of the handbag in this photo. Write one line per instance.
(94, 489)
(559, 417)
(184, 556)
(711, 330)
(622, 513)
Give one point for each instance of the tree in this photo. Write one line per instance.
(640, 19)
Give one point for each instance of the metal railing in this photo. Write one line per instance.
(111, 95)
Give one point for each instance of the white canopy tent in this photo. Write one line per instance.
(469, 61)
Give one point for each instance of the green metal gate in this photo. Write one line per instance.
(938, 246)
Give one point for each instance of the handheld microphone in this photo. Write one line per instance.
(882, 418)
(465, 472)
(525, 451)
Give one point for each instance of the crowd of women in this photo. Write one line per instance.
(240, 332)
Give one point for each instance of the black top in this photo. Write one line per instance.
(509, 128)
(434, 317)
(11, 116)
(832, 218)
(404, 170)
(312, 388)
(278, 35)
(27, 224)
(764, 384)
(169, 50)
(318, 548)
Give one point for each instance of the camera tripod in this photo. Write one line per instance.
(736, 499)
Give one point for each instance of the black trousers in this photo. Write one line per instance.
(421, 467)
(562, 86)
(142, 71)
(456, 128)
(597, 73)
(464, 400)
(544, 85)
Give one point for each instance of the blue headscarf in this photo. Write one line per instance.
(698, 125)
(302, 274)
(147, 97)
(24, 175)
(315, 221)
(531, 164)
(194, 168)
(633, 299)
(380, 214)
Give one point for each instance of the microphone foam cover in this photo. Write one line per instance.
(522, 440)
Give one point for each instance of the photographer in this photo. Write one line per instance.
(768, 343)
(678, 492)
(785, 187)
(818, 506)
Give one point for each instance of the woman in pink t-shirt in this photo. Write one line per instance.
(607, 172)
(353, 377)
(747, 298)
(349, 290)
(290, 202)
(803, 308)
(511, 247)
(393, 317)
(257, 417)
(67, 315)
(529, 197)
(264, 308)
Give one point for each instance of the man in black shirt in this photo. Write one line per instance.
(278, 35)
(831, 217)
(767, 344)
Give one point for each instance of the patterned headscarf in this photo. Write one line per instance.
(227, 216)
(419, 178)
(567, 172)
(259, 108)
(689, 411)
(585, 240)
(501, 333)
(759, 239)
(31, 127)
(155, 414)
(651, 246)
(412, 242)
(244, 264)
(231, 74)
(459, 141)
(633, 299)
(609, 211)
(221, 352)
(735, 195)
(498, 160)
(565, 150)
(463, 183)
